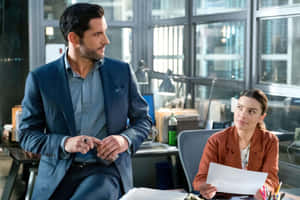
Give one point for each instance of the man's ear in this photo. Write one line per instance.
(74, 39)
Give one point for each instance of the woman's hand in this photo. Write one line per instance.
(259, 195)
(262, 193)
(207, 190)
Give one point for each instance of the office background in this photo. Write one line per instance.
(213, 49)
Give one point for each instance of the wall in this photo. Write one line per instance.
(13, 55)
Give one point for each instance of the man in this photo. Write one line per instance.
(75, 111)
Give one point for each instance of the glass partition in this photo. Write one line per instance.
(202, 7)
(279, 51)
(283, 113)
(214, 103)
(283, 117)
(220, 50)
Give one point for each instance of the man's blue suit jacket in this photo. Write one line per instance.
(47, 117)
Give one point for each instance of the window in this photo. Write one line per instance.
(118, 10)
(163, 9)
(120, 46)
(54, 43)
(220, 50)
(270, 3)
(168, 54)
(279, 51)
(168, 49)
(277, 72)
(220, 6)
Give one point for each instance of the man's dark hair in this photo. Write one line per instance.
(76, 18)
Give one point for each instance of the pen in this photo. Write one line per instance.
(263, 192)
(278, 188)
(282, 195)
(277, 191)
(270, 196)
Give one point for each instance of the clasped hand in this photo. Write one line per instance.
(107, 149)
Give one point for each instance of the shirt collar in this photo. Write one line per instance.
(255, 140)
(97, 64)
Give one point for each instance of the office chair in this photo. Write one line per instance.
(191, 144)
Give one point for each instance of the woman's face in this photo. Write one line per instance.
(247, 114)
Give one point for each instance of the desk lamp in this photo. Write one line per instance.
(167, 87)
(142, 74)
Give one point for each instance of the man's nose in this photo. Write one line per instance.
(106, 40)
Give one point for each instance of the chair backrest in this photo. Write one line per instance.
(191, 144)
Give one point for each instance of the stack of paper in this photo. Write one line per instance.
(236, 181)
(153, 194)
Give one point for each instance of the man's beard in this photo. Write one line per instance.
(89, 53)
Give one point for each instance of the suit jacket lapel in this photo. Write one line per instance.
(64, 96)
(106, 80)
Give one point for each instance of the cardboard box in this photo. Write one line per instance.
(16, 110)
(162, 117)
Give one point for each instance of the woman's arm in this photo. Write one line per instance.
(270, 164)
(210, 154)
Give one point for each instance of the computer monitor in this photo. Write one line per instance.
(149, 99)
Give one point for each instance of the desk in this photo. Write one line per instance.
(291, 194)
(150, 194)
(150, 155)
(19, 157)
(157, 149)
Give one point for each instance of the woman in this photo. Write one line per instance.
(246, 145)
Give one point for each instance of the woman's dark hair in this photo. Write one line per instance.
(259, 96)
(76, 18)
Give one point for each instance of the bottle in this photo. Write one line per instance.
(172, 130)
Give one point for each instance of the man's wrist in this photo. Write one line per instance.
(128, 141)
(62, 144)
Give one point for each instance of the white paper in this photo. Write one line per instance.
(153, 194)
(233, 180)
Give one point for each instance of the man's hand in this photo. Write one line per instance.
(207, 190)
(80, 144)
(111, 146)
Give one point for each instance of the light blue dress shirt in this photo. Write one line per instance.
(88, 106)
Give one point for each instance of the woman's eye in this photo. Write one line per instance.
(252, 112)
